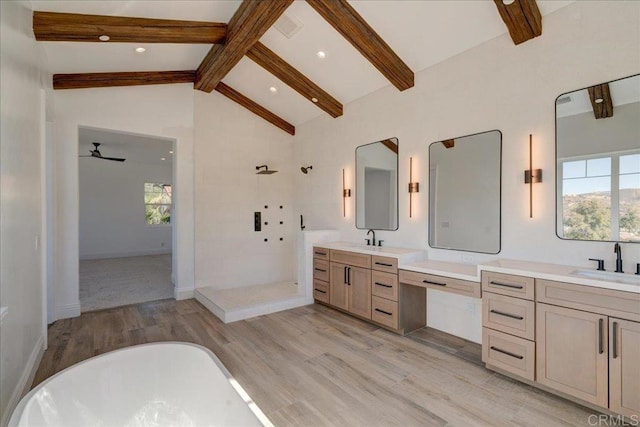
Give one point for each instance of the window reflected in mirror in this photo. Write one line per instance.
(598, 162)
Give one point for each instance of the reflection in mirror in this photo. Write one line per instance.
(464, 193)
(377, 185)
(598, 162)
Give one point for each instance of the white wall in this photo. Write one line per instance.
(164, 111)
(496, 85)
(112, 209)
(230, 143)
(21, 119)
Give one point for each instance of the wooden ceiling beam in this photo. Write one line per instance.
(293, 78)
(255, 108)
(449, 143)
(72, 27)
(137, 78)
(522, 18)
(601, 101)
(252, 19)
(344, 19)
(390, 145)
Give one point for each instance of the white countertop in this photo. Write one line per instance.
(444, 268)
(401, 254)
(538, 270)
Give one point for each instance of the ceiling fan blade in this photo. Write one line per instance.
(115, 159)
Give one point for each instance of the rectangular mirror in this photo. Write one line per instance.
(598, 162)
(377, 185)
(465, 193)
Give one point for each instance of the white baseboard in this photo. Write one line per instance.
(126, 254)
(68, 311)
(25, 381)
(183, 293)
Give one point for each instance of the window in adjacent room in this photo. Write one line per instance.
(157, 200)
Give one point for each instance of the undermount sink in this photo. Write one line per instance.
(609, 276)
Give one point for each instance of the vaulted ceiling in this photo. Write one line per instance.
(419, 33)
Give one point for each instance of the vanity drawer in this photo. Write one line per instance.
(353, 259)
(321, 291)
(625, 305)
(508, 284)
(512, 354)
(321, 270)
(441, 283)
(507, 314)
(320, 253)
(382, 263)
(384, 285)
(384, 312)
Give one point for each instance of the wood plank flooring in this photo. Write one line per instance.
(314, 366)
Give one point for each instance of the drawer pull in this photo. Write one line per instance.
(320, 269)
(321, 253)
(384, 312)
(382, 284)
(501, 313)
(383, 264)
(600, 336)
(322, 292)
(506, 285)
(615, 340)
(434, 283)
(508, 353)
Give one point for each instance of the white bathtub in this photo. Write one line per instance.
(160, 384)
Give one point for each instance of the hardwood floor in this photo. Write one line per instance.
(314, 366)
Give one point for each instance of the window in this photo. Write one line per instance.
(601, 197)
(157, 201)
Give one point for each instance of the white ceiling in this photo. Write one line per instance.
(134, 148)
(421, 32)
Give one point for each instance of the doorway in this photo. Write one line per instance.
(126, 218)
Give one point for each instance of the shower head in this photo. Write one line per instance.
(266, 170)
(305, 169)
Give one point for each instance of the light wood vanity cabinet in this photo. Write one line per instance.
(349, 285)
(581, 341)
(508, 323)
(321, 274)
(572, 353)
(624, 367)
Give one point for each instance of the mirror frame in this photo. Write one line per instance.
(499, 192)
(555, 165)
(397, 185)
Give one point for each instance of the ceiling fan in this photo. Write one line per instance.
(96, 153)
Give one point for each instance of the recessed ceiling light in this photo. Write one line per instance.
(314, 99)
(141, 50)
(599, 100)
(170, 152)
(507, 2)
(104, 38)
(321, 54)
(273, 89)
(162, 158)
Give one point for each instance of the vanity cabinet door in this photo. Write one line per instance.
(359, 289)
(338, 296)
(572, 354)
(624, 367)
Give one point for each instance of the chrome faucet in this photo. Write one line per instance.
(374, 236)
(618, 251)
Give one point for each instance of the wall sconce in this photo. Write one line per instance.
(414, 187)
(531, 176)
(346, 192)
